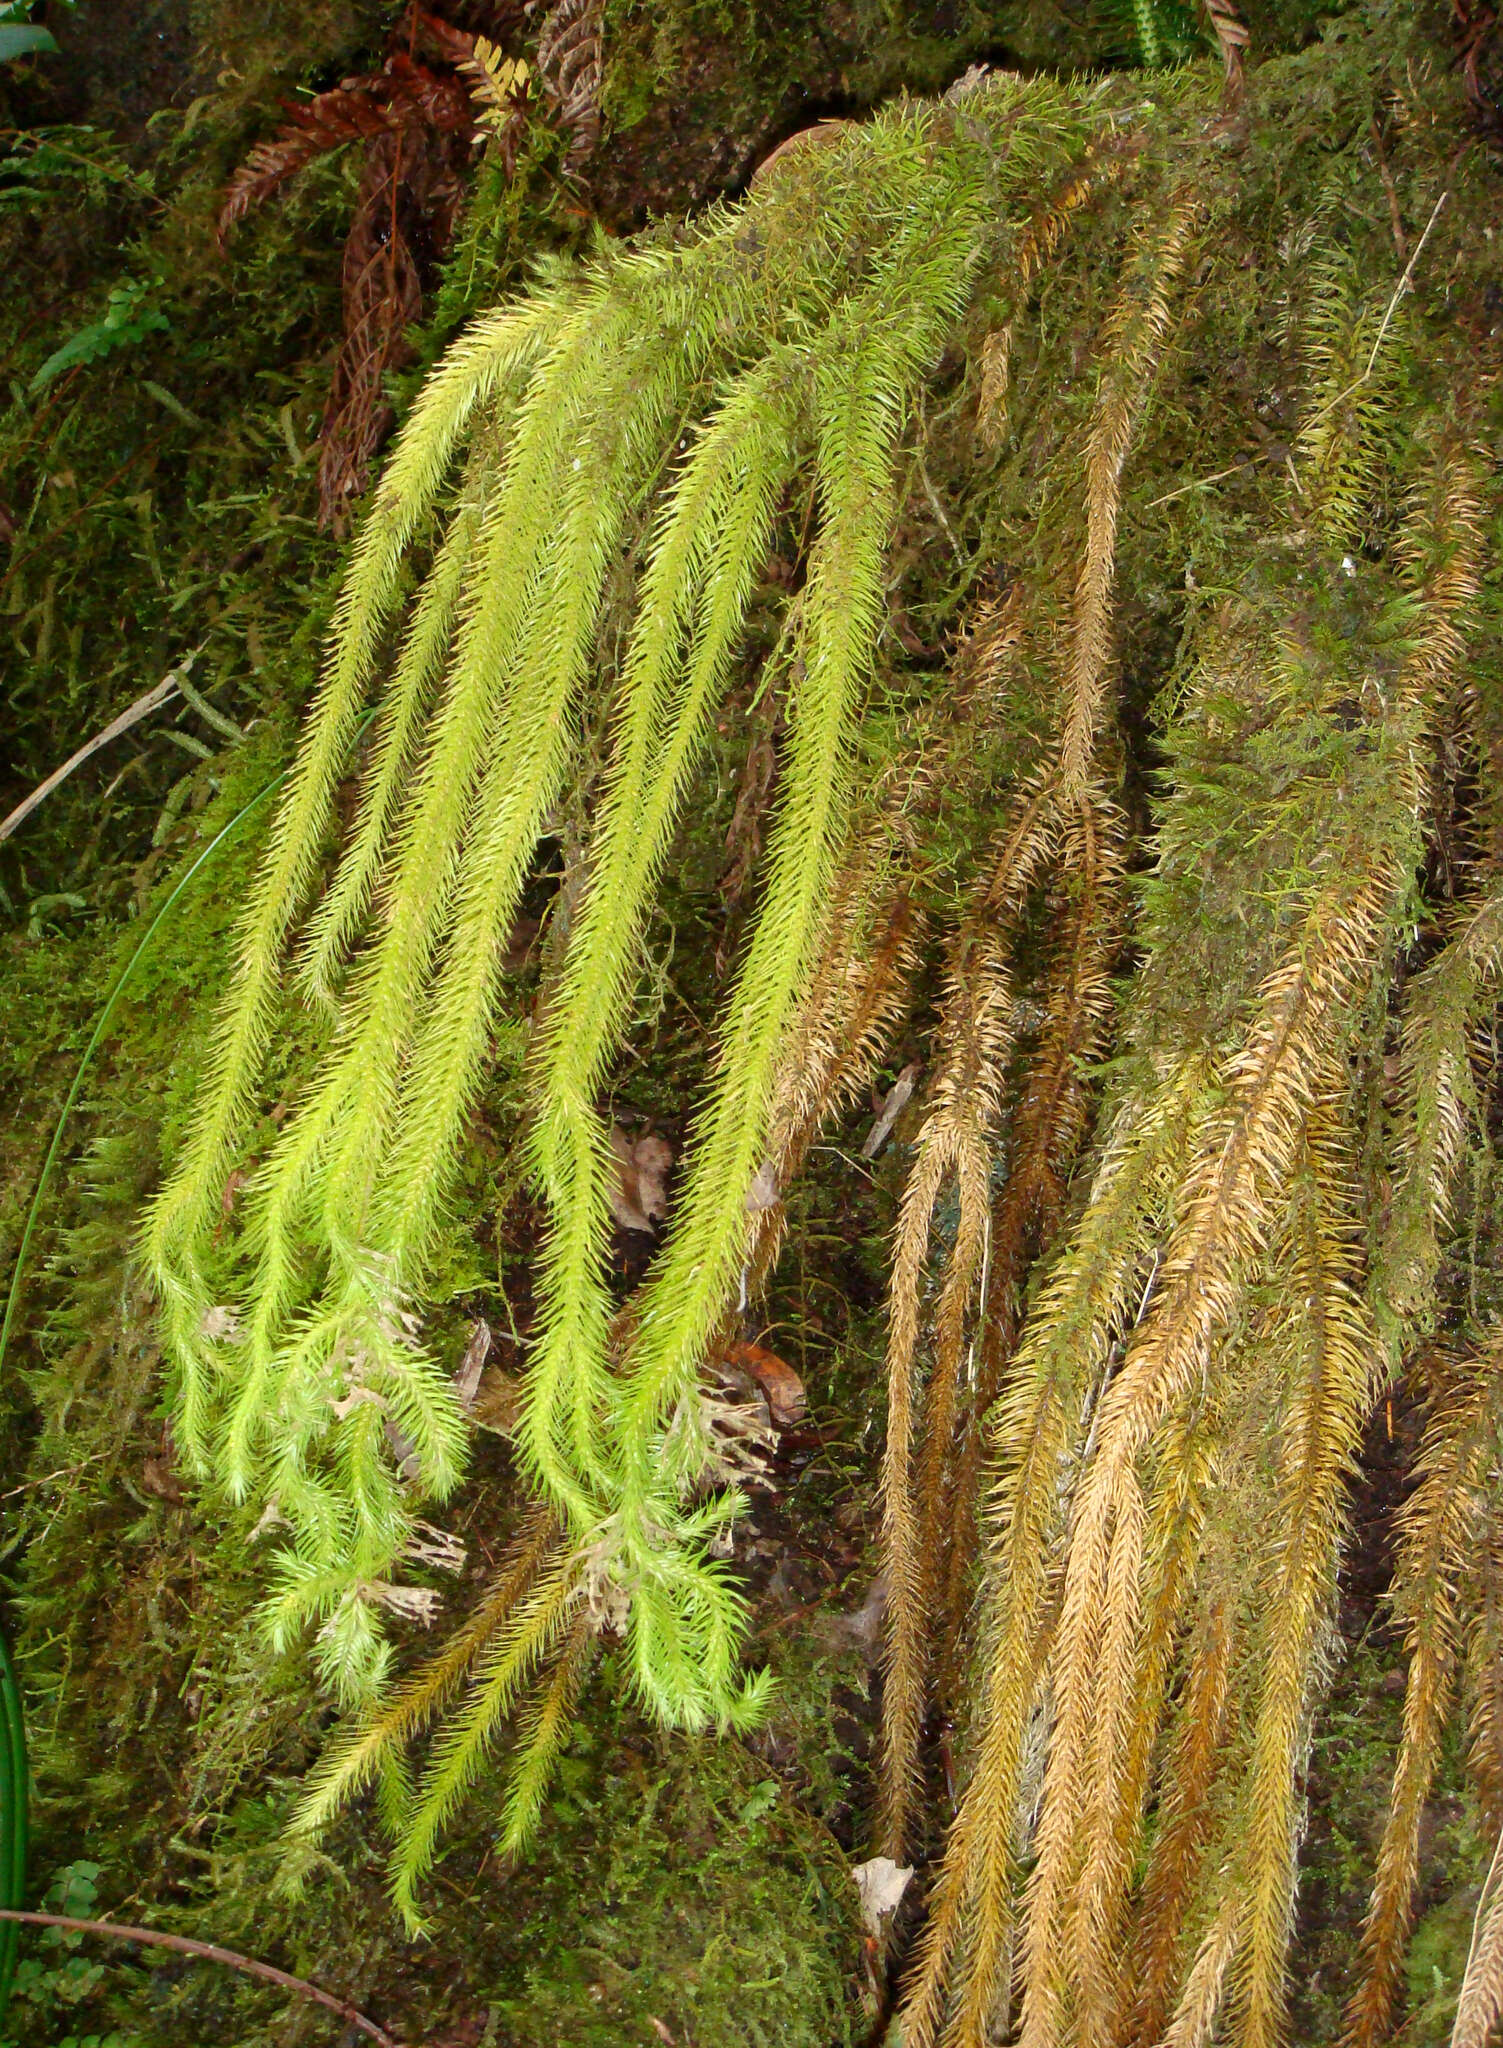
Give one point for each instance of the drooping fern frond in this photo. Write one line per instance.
(954, 1142)
(1086, 1302)
(1038, 245)
(958, 1133)
(1444, 1007)
(1333, 1366)
(1227, 1206)
(855, 996)
(364, 1754)
(1132, 346)
(1481, 1998)
(1185, 1826)
(666, 399)
(1045, 1133)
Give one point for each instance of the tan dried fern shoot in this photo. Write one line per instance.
(1060, 814)
(1075, 1624)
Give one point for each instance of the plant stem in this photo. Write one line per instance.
(182, 1945)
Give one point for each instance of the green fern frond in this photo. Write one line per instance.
(664, 398)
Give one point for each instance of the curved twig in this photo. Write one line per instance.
(183, 1945)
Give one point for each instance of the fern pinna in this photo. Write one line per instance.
(1185, 1187)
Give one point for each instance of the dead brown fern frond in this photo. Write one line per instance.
(1037, 245)
(1230, 31)
(1331, 1360)
(1085, 1306)
(1484, 1672)
(987, 652)
(857, 992)
(1185, 1824)
(1441, 1527)
(570, 63)
(1134, 338)
(1443, 1007)
(1481, 1999)
(359, 110)
(1195, 2016)
(955, 1141)
(1045, 1131)
(409, 193)
(1228, 1208)
(1131, 349)
(418, 123)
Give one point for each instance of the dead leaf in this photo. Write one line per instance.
(498, 1402)
(476, 1352)
(439, 1548)
(158, 1477)
(271, 1518)
(357, 1397)
(818, 137)
(895, 1102)
(782, 1389)
(419, 1604)
(639, 1198)
(881, 1883)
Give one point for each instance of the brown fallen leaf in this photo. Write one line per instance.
(818, 137)
(639, 1198)
(781, 1387)
(497, 1404)
(476, 1352)
(158, 1477)
(893, 1104)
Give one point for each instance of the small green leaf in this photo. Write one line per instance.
(127, 319)
(23, 39)
(764, 1797)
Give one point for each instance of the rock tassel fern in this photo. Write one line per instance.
(1127, 1385)
(682, 392)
